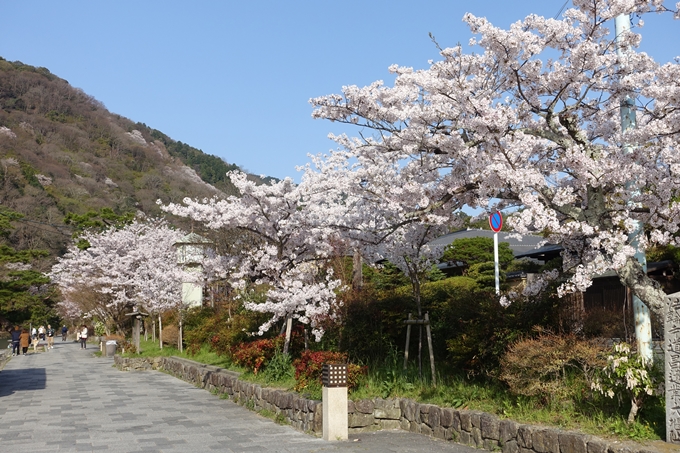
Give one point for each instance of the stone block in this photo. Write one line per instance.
(476, 435)
(546, 440)
(389, 403)
(317, 424)
(446, 417)
(404, 424)
(364, 406)
(465, 438)
(409, 410)
(622, 447)
(434, 417)
(358, 420)
(475, 419)
(351, 408)
(489, 444)
(465, 421)
(313, 405)
(287, 401)
(524, 436)
(573, 443)
(507, 430)
(390, 424)
(423, 413)
(510, 447)
(441, 433)
(414, 427)
(426, 430)
(456, 426)
(387, 414)
(490, 427)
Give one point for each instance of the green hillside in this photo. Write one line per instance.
(64, 156)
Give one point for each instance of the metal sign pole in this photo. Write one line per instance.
(495, 263)
(496, 224)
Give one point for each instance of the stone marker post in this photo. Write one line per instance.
(137, 317)
(334, 399)
(672, 368)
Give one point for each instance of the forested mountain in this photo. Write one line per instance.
(64, 156)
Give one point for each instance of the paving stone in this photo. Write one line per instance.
(68, 400)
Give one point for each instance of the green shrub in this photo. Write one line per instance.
(218, 328)
(477, 330)
(279, 368)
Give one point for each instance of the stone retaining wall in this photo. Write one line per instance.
(477, 429)
(5, 355)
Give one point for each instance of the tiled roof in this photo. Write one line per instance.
(525, 245)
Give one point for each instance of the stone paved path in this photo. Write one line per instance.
(67, 399)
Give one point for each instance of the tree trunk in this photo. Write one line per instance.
(306, 340)
(289, 329)
(357, 276)
(179, 339)
(160, 332)
(634, 408)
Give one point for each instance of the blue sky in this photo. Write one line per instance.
(234, 78)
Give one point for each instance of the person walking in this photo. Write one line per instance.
(16, 338)
(41, 333)
(50, 337)
(34, 333)
(24, 340)
(83, 337)
(64, 331)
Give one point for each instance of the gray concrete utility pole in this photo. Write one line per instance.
(643, 324)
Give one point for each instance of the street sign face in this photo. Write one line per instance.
(496, 221)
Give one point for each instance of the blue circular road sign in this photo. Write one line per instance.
(496, 221)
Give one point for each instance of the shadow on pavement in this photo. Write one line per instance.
(24, 379)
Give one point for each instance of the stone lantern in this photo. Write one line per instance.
(191, 250)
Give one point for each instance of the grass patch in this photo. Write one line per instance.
(592, 416)
(204, 355)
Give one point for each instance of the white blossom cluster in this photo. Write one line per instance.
(131, 266)
(4, 130)
(627, 374)
(531, 122)
(288, 252)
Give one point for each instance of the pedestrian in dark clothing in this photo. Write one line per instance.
(16, 337)
(64, 331)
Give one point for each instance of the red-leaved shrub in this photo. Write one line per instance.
(255, 354)
(310, 364)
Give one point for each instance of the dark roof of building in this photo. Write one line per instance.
(524, 245)
(545, 253)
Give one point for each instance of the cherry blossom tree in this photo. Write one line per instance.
(134, 266)
(531, 121)
(286, 255)
(388, 210)
(384, 207)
